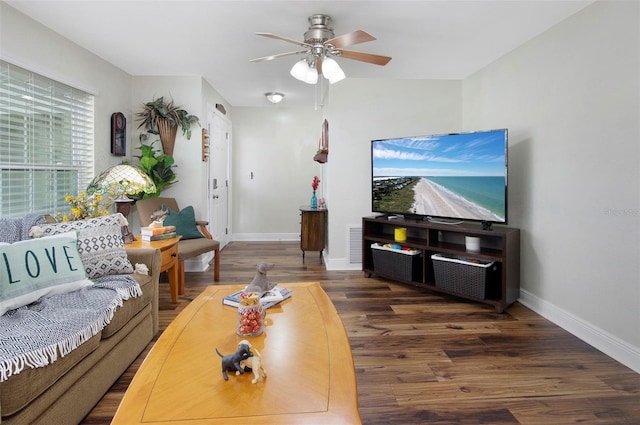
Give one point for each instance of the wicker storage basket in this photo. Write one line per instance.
(461, 275)
(397, 264)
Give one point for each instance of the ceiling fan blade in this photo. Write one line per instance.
(279, 37)
(350, 39)
(365, 57)
(279, 55)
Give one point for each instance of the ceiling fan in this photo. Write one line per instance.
(320, 47)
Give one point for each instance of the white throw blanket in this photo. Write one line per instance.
(35, 335)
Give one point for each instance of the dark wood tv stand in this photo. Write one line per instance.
(500, 245)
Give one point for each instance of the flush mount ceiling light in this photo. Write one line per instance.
(274, 97)
(320, 47)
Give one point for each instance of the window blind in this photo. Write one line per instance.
(46, 142)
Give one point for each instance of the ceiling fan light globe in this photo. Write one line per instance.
(337, 78)
(312, 76)
(303, 72)
(299, 70)
(332, 71)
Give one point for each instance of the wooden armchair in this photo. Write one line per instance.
(187, 248)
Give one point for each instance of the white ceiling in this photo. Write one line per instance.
(447, 39)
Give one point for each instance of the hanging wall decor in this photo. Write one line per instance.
(205, 145)
(164, 118)
(118, 134)
(322, 155)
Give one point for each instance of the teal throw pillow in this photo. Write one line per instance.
(185, 222)
(36, 268)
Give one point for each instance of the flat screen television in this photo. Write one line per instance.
(449, 177)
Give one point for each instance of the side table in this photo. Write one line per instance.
(169, 250)
(313, 229)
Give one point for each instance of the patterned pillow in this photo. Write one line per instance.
(36, 268)
(99, 243)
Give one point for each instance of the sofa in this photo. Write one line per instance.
(64, 388)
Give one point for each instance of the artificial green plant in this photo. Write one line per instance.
(176, 115)
(159, 167)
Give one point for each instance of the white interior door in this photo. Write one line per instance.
(219, 144)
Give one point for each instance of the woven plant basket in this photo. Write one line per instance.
(167, 135)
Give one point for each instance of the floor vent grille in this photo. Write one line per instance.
(354, 238)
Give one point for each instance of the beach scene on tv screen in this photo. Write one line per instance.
(455, 175)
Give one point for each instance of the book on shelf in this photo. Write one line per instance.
(149, 238)
(268, 299)
(152, 231)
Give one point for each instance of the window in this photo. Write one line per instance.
(46, 142)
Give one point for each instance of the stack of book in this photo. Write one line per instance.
(268, 299)
(149, 234)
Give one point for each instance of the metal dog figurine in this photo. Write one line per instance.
(231, 362)
(260, 284)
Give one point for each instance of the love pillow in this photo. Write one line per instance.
(35, 268)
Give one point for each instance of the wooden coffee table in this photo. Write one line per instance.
(169, 250)
(311, 378)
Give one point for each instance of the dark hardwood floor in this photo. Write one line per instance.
(425, 358)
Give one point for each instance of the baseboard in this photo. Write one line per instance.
(199, 263)
(609, 344)
(336, 264)
(265, 237)
(340, 264)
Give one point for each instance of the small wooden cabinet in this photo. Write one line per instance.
(500, 245)
(313, 229)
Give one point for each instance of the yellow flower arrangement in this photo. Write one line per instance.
(85, 206)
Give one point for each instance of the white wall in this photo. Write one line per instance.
(193, 94)
(361, 110)
(191, 172)
(277, 145)
(571, 101)
(28, 44)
